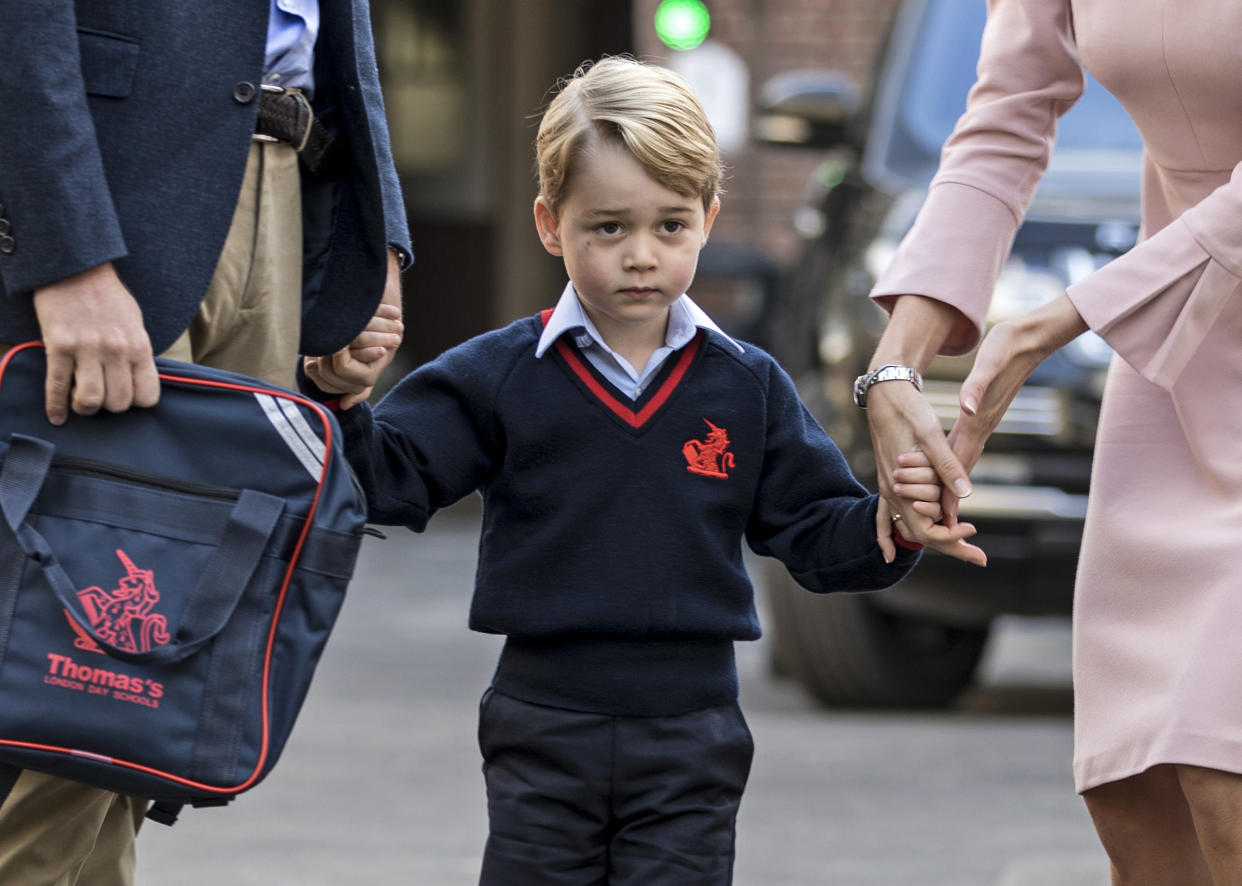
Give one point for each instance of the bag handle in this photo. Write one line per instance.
(224, 579)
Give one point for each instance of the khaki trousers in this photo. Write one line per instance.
(250, 321)
(55, 832)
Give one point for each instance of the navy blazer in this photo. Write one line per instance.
(124, 131)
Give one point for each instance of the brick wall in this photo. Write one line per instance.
(765, 182)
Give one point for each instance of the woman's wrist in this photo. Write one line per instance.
(1049, 328)
(916, 330)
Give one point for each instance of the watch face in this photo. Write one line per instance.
(860, 390)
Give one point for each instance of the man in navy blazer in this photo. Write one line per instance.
(124, 139)
(211, 180)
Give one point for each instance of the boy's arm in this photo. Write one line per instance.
(429, 442)
(809, 510)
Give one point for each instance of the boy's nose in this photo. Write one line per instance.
(641, 256)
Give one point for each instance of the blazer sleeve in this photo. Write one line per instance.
(395, 223)
(52, 182)
(1029, 75)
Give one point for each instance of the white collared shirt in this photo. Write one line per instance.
(685, 318)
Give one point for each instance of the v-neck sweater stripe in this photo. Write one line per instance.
(658, 391)
(611, 544)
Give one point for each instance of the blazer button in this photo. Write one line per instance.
(243, 93)
(7, 244)
(5, 225)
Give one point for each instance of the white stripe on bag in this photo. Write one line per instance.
(294, 430)
(298, 420)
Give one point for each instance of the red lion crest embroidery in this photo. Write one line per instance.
(123, 616)
(709, 457)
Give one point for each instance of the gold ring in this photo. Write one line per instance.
(896, 517)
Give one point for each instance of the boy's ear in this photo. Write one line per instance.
(547, 225)
(711, 217)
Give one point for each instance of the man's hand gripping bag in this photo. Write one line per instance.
(168, 579)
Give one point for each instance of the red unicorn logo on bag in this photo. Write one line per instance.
(123, 616)
(709, 457)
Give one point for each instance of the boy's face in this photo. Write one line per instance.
(630, 245)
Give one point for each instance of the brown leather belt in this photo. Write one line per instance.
(286, 116)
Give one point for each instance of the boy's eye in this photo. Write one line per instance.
(610, 227)
(672, 226)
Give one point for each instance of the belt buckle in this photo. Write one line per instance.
(296, 95)
(276, 90)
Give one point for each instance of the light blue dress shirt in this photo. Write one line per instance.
(684, 321)
(292, 28)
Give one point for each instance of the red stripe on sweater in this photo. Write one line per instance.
(625, 413)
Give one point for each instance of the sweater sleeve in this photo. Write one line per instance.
(430, 442)
(809, 511)
(1029, 75)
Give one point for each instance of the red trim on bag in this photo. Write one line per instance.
(293, 561)
(91, 755)
(265, 741)
(8, 355)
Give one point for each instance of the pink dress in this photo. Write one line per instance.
(1158, 601)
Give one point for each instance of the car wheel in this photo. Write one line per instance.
(848, 652)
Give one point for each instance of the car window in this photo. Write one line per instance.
(940, 72)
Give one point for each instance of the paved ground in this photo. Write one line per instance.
(380, 781)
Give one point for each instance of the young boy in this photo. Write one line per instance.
(624, 447)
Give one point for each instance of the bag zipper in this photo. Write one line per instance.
(86, 467)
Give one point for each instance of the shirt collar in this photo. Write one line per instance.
(685, 319)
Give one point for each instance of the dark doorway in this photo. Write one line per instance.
(464, 81)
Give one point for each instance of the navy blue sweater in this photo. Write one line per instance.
(611, 547)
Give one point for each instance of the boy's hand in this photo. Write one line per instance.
(916, 481)
(353, 370)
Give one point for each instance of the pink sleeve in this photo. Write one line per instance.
(1156, 304)
(1029, 75)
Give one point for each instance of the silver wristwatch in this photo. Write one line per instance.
(887, 372)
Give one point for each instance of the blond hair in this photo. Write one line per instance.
(648, 109)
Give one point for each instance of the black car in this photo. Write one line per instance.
(918, 644)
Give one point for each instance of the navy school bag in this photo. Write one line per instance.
(168, 580)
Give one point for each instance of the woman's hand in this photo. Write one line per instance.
(917, 484)
(1009, 354)
(902, 420)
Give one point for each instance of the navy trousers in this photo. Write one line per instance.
(577, 799)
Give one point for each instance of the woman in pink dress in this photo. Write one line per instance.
(1158, 601)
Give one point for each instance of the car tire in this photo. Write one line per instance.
(846, 651)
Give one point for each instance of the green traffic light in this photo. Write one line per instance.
(682, 24)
